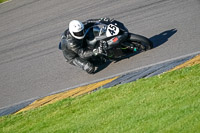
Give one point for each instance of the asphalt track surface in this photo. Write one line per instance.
(32, 66)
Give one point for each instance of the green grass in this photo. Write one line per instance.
(166, 103)
(1, 1)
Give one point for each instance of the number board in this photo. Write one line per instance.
(112, 30)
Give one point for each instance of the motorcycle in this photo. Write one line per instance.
(109, 32)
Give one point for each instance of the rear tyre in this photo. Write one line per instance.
(140, 42)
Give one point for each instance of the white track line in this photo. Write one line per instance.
(129, 71)
(95, 81)
(172, 59)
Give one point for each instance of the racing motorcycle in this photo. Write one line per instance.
(109, 33)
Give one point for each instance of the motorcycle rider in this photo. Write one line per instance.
(74, 46)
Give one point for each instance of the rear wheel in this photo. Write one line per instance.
(139, 42)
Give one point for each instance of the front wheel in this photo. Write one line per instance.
(140, 42)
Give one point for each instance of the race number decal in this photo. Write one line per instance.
(112, 30)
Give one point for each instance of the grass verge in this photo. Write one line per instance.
(1, 1)
(166, 103)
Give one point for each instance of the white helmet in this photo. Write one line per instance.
(76, 28)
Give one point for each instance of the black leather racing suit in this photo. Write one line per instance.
(75, 50)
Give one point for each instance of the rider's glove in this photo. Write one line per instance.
(103, 46)
(98, 51)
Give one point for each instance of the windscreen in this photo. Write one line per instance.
(99, 30)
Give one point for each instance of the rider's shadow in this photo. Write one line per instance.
(157, 40)
(103, 66)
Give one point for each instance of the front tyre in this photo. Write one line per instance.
(140, 42)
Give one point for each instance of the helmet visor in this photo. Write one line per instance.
(79, 34)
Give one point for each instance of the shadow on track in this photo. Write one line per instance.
(162, 37)
(157, 41)
(102, 66)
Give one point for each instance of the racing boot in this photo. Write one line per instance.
(84, 64)
(89, 68)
